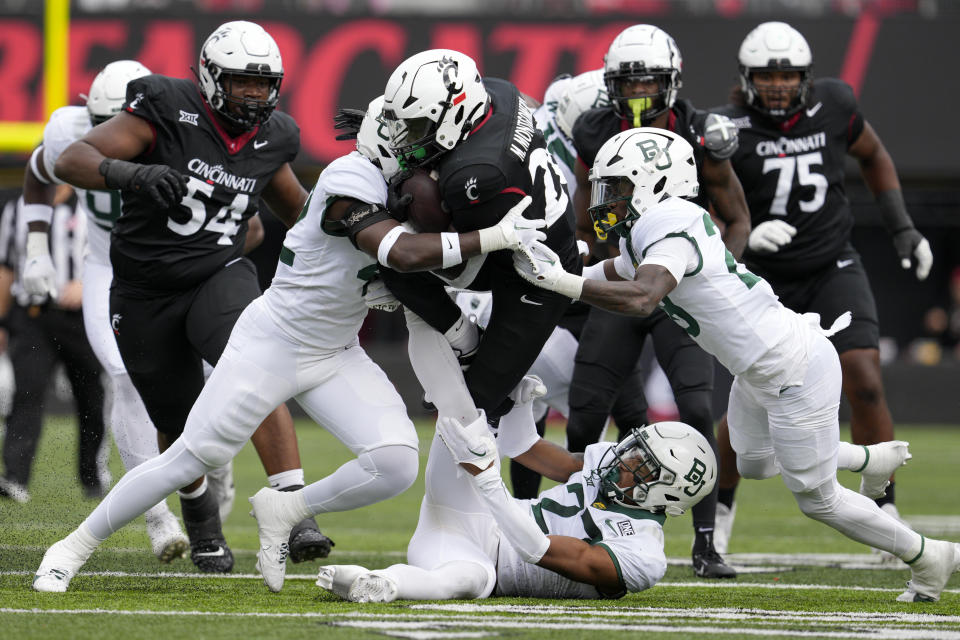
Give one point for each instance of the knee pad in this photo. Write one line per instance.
(395, 466)
(758, 468)
(819, 502)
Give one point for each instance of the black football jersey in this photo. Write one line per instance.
(179, 247)
(793, 171)
(596, 126)
(503, 159)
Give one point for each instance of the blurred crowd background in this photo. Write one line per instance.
(899, 56)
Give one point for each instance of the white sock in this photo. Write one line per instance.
(196, 493)
(851, 457)
(284, 479)
(463, 336)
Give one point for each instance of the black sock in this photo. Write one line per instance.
(725, 497)
(703, 539)
(889, 497)
(201, 517)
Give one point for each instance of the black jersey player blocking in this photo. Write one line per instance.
(642, 73)
(795, 135)
(478, 135)
(192, 164)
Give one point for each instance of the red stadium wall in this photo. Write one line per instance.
(331, 62)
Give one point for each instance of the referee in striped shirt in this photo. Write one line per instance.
(44, 331)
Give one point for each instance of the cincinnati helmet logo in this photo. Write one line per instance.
(449, 71)
(115, 323)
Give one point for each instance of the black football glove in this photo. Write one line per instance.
(912, 246)
(164, 185)
(398, 204)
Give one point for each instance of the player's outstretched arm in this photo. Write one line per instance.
(551, 460)
(122, 137)
(382, 237)
(726, 193)
(637, 297)
(880, 174)
(285, 195)
(578, 560)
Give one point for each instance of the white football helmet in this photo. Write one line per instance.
(642, 52)
(584, 92)
(642, 167)
(672, 465)
(775, 46)
(240, 48)
(373, 140)
(432, 101)
(108, 91)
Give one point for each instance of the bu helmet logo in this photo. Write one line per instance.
(695, 477)
(653, 153)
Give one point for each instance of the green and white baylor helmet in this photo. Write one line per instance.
(642, 166)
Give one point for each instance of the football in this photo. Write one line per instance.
(426, 211)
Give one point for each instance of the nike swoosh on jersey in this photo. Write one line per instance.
(527, 300)
(219, 552)
(259, 143)
(812, 111)
(844, 263)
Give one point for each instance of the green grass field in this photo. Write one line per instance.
(124, 592)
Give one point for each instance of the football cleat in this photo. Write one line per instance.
(166, 537)
(208, 548)
(14, 490)
(212, 556)
(882, 460)
(273, 529)
(307, 542)
(372, 587)
(60, 563)
(707, 563)
(723, 526)
(338, 578)
(931, 571)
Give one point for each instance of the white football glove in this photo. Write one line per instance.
(513, 231)
(529, 389)
(39, 275)
(910, 244)
(720, 136)
(769, 236)
(540, 265)
(472, 443)
(377, 296)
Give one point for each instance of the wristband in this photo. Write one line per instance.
(569, 285)
(451, 249)
(35, 168)
(387, 243)
(491, 239)
(37, 213)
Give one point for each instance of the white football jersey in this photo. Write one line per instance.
(317, 293)
(559, 145)
(731, 313)
(102, 208)
(632, 537)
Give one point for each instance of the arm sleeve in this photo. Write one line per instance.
(677, 255)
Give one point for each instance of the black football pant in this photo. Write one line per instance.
(41, 337)
(610, 346)
(165, 336)
(522, 319)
